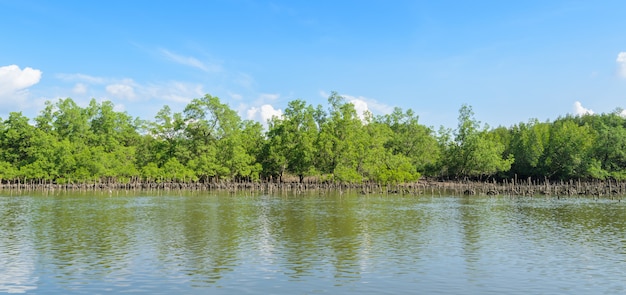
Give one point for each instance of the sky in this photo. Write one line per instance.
(511, 61)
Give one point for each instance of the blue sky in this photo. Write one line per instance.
(510, 60)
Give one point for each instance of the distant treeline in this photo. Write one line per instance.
(209, 142)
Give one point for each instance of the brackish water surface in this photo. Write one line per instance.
(205, 243)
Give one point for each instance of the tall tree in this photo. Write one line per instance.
(291, 140)
(168, 133)
(341, 143)
(71, 121)
(15, 139)
(414, 141)
(568, 152)
(473, 153)
(216, 141)
(382, 164)
(528, 144)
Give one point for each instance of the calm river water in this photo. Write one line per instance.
(196, 243)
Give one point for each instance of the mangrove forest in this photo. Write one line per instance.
(208, 142)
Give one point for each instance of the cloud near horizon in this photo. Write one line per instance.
(263, 113)
(14, 88)
(129, 89)
(261, 109)
(178, 92)
(14, 80)
(621, 63)
(579, 110)
(121, 91)
(80, 88)
(363, 104)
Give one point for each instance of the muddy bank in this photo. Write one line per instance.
(528, 187)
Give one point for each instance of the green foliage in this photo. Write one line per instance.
(7, 171)
(209, 141)
(568, 150)
(345, 173)
(291, 141)
(527, 145)
(15, 138)
(609, 146)
(175, 171)
(342, 142)
(412, 140)
(152, 172)
(473, 152)
(213, 128)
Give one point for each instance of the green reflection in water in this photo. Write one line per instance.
(71, 242)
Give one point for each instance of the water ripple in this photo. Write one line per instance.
(224, 244)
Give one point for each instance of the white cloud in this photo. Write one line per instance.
(81, 78)
(360, 106)
(14, 92)
(127, 89)
(13, 79)
(119, 107)
(261, 109)
(190, 61)
(268, 112)
(139, 99)
(263, 113)
(372, 104)
(174, 91)
(579, 110)
(621, 63)
(121, 90)
(80, 88)
(364, 104)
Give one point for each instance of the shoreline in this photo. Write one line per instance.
(512, 187)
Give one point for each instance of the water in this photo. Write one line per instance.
(223, 244)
